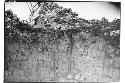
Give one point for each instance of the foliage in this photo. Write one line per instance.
(110, 31)
(57, 20)
(54, 16)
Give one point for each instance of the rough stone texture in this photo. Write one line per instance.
(88, 62)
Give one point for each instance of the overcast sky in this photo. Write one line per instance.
(86, 10)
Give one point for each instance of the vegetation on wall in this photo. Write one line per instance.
(54, 19)
(54, 22)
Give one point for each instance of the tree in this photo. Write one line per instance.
(55, 16)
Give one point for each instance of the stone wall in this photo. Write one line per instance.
(92, 60)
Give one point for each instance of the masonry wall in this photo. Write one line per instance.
(89, 60)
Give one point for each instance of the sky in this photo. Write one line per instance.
(19, 8)
(86, 10)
